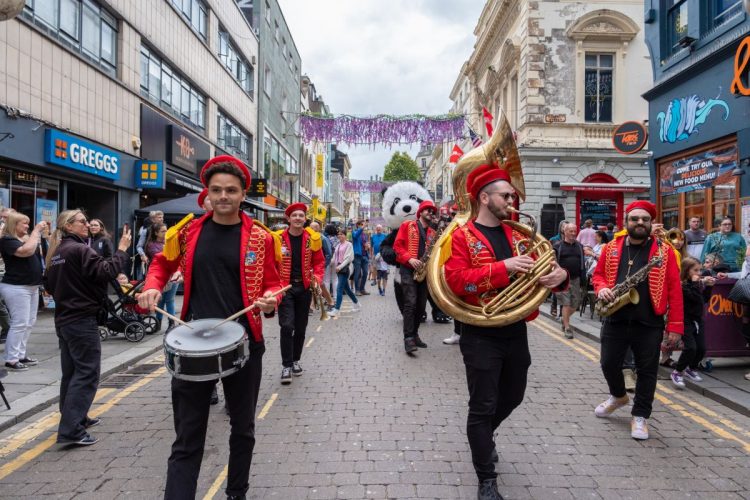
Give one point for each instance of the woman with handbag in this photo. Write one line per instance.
(154, 245)
(342, 257)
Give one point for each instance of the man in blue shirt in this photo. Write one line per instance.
(360, 260)
(381, 275)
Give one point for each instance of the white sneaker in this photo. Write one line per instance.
(333, 313)
(747, 376)
(356, 307)
(608, 407)
(453, 339)
(677, 379)
(692, 375)
(638, 428)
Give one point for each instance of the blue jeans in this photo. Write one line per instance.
(167, 301)
(360, 285)
(358, 270)
(343, 286)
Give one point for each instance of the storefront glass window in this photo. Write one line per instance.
(274, 183)
(724, 202)
(266, 172)
(670, 213)
(32, 195)
(677, 24)
(4, 188)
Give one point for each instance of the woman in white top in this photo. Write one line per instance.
(342, 257)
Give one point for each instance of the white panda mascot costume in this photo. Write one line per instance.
(400, 203)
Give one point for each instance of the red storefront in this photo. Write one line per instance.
(600, 197)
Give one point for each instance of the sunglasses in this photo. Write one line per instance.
(635, 218)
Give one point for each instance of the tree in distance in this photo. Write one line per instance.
(401, 167)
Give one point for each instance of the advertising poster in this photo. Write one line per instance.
(46, 210)
(699, 171)
(745, 222)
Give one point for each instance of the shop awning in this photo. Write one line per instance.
(603, 186)
(264, 206)
(184, 181)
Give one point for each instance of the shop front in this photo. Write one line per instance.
(601, 198)
(44, 171)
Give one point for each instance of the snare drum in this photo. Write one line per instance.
(202, 352)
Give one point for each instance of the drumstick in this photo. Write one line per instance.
(172, 317)
(251, 306)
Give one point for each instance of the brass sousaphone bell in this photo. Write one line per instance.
(524, 295)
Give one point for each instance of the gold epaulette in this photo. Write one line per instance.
(276, 235)
(172, 240)
(316, 243)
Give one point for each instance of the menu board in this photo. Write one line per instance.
(699, 171)
(601, 212)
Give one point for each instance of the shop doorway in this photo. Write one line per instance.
(602, 206)
(98, 203)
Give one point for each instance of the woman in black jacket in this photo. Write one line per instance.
(77, 277)
(100, 240)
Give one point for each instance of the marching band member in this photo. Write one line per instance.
(637, 326)
(302, 261)
(497, 359)
(228, 262)
(411, 242)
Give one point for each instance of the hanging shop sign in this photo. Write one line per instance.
(699, 171)
(258, 188)
(741, 81)
(186, 150)
(74, 153)
(629, 137)
(150, 175)
(319, 173)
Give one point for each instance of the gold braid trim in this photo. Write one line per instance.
(413, 236)
(255, 257)
(657, 276)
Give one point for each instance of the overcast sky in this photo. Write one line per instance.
(367, 57)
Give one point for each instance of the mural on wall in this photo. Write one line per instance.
(683, 116)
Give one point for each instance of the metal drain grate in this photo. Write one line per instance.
(122, 380)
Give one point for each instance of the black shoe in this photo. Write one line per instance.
(442, 318)
(495, 456)
(29, 361)
(423, 318)
(419, 342)
(236, 497)
(296, 369)
(16, 367)
(488, 490)
(410, 345)
(214, 397)
(86, 440)
(91, 422)
(170, 326)
(286, 375)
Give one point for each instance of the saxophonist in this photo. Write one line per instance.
(637, 326)
(411, 242)
(497, 359)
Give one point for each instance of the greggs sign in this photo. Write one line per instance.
(71, 152)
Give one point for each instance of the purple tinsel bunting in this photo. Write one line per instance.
(382, 129)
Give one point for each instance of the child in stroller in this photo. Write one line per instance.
(123, 315)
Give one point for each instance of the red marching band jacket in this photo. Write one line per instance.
(663, 282)
(473, 270)
(406, 244)
(313, 261)
(257, 267)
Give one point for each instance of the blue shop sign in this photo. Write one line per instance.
(71, 152)
(149, 174)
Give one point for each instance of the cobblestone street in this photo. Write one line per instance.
(366, 421)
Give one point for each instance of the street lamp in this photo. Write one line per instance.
(292, 178)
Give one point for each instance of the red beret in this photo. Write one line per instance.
(294, 207)
(424, 206)
(227, 159)
(202, 197)
(454, 207)
(643, 205)
(483, 175)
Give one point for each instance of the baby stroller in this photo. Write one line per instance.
(123, 315)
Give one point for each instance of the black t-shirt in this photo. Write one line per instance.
(422, 240)
(502, 250)
(296, 243)
(20, 270)
(569, 258)
(216, 288)
(643, 312)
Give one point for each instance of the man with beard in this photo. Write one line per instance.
(637, 326)
(412, 241)
(497, 359)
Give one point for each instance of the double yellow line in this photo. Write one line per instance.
(737, 433)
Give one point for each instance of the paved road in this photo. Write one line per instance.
(365, 421)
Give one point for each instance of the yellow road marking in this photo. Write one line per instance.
(37, 450)
(214, 489)
(558, 336)
(309, 342)
(34, 430)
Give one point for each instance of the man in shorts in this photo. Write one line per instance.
(569, 253)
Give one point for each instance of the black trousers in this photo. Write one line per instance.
(294, 311)
(436, 312)
(80, 360)
(694, 350)
(190, 404)
(496, 372)
(399, 293)
(415, 301)
(645, 342)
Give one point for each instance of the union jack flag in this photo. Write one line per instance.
(476, 141)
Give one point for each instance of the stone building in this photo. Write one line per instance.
(113, 106)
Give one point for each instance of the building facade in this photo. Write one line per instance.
(565, 74)
(113, 106)
(698, 111)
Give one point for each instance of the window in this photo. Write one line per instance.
(268, 14)
(721, 11)
(267, 81)
(79, 24)
(598, 87)
(677, 24)
(168, 90)
(276, 32)
(670, 210)
(241, 70)
(723, 202)
(196, 14)
(233, 139)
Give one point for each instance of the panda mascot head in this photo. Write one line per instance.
(400, 202)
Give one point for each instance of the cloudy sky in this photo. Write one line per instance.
(367, 57)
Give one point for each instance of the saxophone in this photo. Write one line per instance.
(625, 292)
(421, 273)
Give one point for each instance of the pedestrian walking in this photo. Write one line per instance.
(154, 245)
(140, 247)
(99, 239)
(587, 235)
(695, 237)
(77, 277)
(302, 266)
(497, 359)
(23, 254)
(638, 326)
(330, 280)
(359, 278)
(570, 254)
(343, 257)
(228, 263)
(4, 316)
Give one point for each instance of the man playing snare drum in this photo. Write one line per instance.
(234, 262)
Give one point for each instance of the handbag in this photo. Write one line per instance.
(344, 270)
(740, 292)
